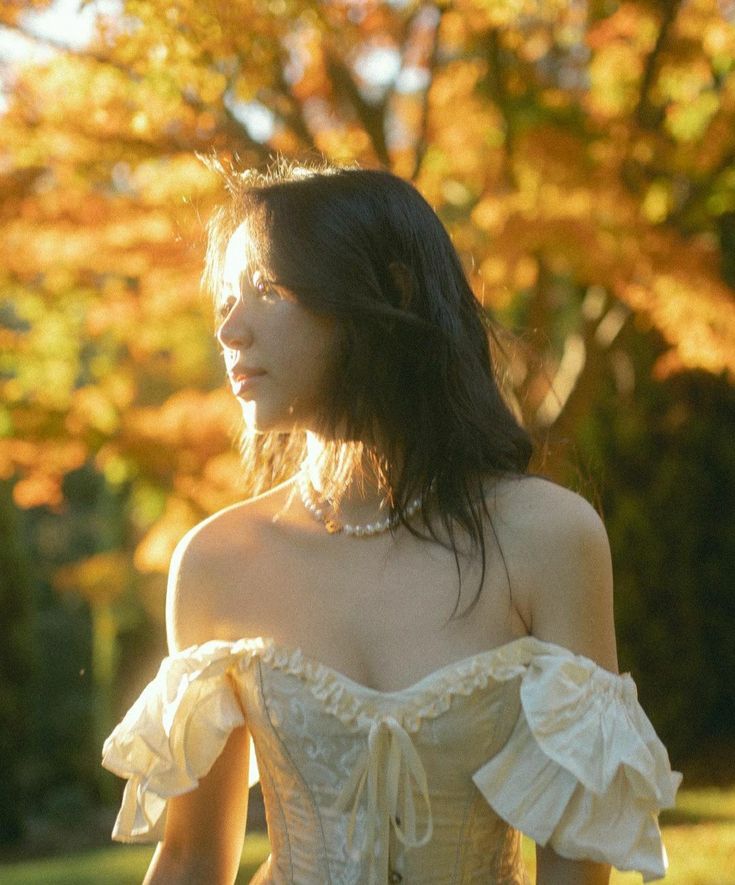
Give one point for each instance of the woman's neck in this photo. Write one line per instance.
(358, 488)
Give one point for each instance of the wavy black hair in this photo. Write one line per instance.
(415, 369)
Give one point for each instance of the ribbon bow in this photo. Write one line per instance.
(389, 759)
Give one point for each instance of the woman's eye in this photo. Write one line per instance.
(264, 289)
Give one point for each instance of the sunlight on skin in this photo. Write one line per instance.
(239, 244)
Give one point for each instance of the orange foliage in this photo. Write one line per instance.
(569, 147)
(101, 578)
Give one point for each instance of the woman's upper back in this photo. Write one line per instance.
(377, 609)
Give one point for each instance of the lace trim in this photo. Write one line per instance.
(354, 704)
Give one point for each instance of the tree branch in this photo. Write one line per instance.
(587, 386)
(61, 47)
(646, 114)
(422, 141)
(295, 118)
(232, 127)
(372, 117)
(237, 131)
(495, 85)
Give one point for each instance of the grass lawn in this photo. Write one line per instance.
(116, 865)
(699, 835)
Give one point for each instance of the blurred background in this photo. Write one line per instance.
(582, 155)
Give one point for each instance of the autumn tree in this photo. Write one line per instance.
(582, 155)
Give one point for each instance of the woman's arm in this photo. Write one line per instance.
(205, 828)
(551, 869)
(570, 603)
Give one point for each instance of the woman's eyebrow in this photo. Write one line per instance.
(228, 287)
(233, 284)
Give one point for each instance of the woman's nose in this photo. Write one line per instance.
(235, 330)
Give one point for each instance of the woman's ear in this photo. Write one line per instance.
(403, 281)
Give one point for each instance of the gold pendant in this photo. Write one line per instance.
(332, 526)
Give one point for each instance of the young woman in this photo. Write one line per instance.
(415, 633)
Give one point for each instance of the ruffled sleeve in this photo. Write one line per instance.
(583, 770)
(171, 736)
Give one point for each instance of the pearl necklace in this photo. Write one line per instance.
(334, 527)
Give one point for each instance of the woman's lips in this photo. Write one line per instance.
(244, 382)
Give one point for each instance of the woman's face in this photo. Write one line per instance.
(278, 355)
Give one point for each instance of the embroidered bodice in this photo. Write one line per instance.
(432, 784)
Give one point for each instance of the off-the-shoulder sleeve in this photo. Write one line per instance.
(171, 736)
(583, 770)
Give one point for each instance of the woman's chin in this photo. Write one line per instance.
(249, 412)
(256, 418)
(259, 419)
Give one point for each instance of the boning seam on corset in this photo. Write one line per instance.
(232, 679)
(307, 788)
(469, 813)
(274, 791)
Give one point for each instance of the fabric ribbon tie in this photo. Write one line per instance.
(385, 770)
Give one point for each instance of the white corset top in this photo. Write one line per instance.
(431, 784)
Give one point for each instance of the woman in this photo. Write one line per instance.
(416, 634)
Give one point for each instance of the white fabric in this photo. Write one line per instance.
(431, 783)
(388, 758)
(597, 772)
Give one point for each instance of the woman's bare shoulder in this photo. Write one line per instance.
(559, 554)
(207, 554)
(540, 504)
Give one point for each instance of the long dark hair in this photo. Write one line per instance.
(415, 369)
